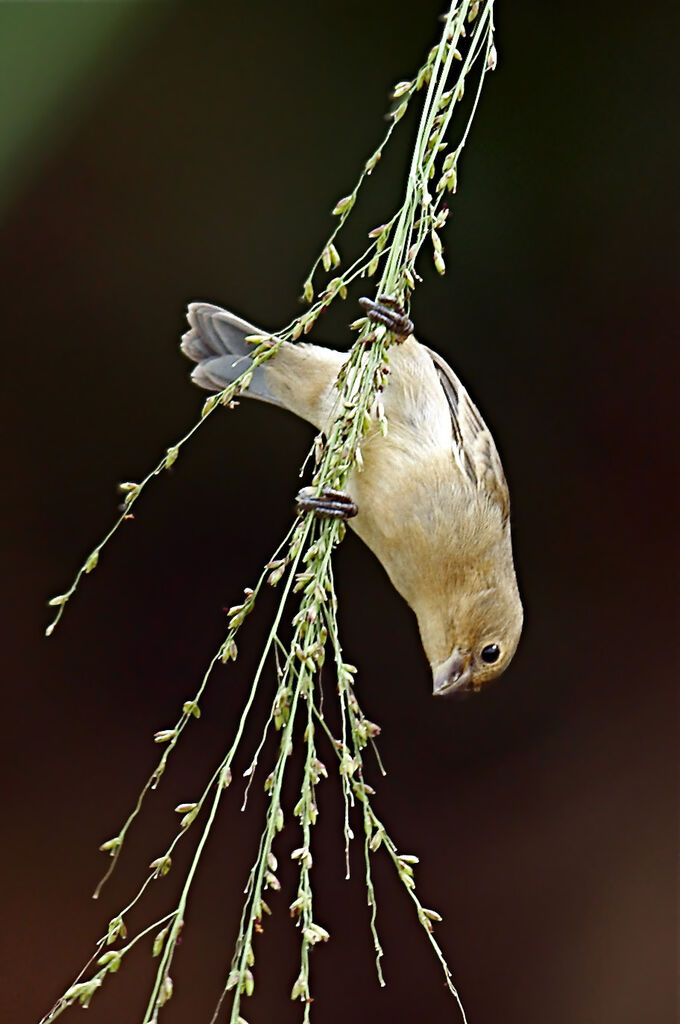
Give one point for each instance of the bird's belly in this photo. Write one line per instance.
(408, 508)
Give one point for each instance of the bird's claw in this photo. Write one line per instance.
(329, 504)
(389, 312)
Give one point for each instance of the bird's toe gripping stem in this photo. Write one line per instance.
(329, 504)
(388, 311)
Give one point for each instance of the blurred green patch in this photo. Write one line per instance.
(55, 58)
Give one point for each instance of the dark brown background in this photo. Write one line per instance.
(197, 158)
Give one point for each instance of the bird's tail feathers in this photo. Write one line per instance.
(216, 343)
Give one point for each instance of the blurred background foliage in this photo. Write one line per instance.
(154, 153)
(54, 59)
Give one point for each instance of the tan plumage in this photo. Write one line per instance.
(432, 497)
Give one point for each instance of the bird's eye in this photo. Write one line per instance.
(491, 653)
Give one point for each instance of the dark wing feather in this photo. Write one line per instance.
(473, 445)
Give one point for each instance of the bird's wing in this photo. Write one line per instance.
(473, 446)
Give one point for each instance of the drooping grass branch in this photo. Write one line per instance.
(303, 568)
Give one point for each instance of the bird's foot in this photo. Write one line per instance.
(329, 504)
(389, 312)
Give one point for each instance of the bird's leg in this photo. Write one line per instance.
(388, 311)
(329, 504)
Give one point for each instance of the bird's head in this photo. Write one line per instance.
(472, 637)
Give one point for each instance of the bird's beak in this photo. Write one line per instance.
(454, 675)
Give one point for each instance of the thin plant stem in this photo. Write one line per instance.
(304, 562)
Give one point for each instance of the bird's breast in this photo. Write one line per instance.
(415, 511)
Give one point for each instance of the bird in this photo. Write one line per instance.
(431, 499)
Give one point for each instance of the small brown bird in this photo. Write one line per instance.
(431, 501)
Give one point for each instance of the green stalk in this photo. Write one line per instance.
(305, 557)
